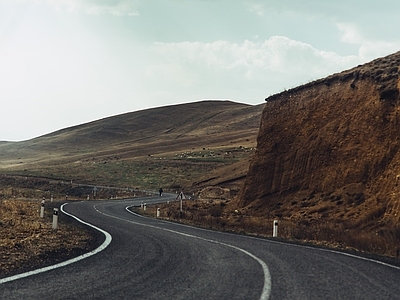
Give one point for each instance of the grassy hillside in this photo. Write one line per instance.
(170, 146)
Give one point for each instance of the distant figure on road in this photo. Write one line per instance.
(160, 191)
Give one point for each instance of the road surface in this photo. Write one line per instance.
(144, 258)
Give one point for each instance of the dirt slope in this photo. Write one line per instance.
(329, 150)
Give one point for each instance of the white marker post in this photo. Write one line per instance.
(42, 209)
(55, 218)
(51, 198)
(158, 212)
(180, 196)
(275, 229)
(144, 207)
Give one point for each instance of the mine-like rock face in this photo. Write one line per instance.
(340, 131)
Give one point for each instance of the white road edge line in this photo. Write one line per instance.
(309, 247)
(106, 242)
(267, 276)
(347, 254)
(328, 250)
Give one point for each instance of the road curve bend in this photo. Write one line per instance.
(147, 258)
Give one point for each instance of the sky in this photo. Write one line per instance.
(69, 62)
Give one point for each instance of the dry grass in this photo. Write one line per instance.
(24, 187)
(218, 215)
(27, 241)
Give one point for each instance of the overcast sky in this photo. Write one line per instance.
(68, 62)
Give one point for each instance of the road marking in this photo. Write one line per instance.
(320, 249)
(304, 246)
(267, 276)
(107, 241)
(350, 255)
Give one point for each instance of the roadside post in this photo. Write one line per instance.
(42, 209)
(275, 229)
(55, 218)
(180, 196)
(144, 207)
(180, 208)
(158, 212)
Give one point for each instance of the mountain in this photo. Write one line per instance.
(329, 151)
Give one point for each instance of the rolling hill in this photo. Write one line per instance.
(108, 150)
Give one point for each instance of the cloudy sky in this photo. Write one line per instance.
(68, 62)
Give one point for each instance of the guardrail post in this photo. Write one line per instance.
(275, 229)
(55, 218)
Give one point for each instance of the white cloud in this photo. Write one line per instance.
(247, 71)
(278, 54)
(368, 49)
(349, 33)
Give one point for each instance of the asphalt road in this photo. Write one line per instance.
(144, 258)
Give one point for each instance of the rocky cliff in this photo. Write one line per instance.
(330, 148)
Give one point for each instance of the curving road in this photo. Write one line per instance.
(144, 258)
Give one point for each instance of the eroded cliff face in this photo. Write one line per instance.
(338, 136)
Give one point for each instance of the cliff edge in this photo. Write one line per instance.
(329, 150)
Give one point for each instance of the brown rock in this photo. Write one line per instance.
(330, 134)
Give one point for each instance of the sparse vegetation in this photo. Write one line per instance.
(27, 241)
(340, 235)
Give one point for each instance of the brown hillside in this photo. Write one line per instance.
(164, 127)
(329, 150)
(144, 148)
